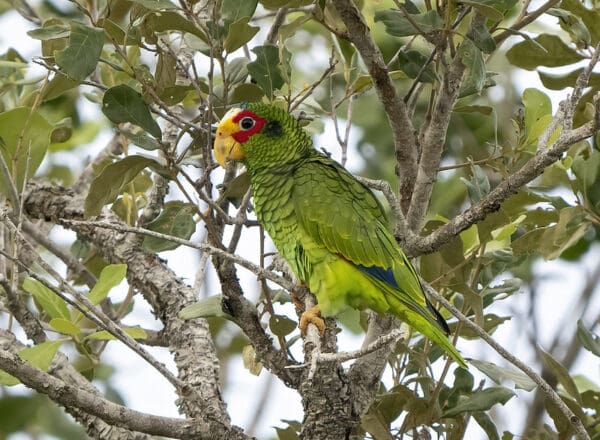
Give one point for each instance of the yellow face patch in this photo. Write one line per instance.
(226, 147)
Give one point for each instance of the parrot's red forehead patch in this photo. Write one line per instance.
(249, 123)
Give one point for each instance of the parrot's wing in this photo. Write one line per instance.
(343, 215)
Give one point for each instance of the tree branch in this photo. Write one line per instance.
(71, 396)
(402, 128)
(492, 201)
(540, 382)
(190, 341)
(432, 140)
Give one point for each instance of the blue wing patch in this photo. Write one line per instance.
(385, 275)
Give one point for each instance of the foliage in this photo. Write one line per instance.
(415, 94)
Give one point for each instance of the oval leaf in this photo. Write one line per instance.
(545, 50)
(103, 335)
(281, 325)
(110, 182)
(123, 104)
(81, 56)
(498, 374)
(481, 401)
(51, 303)
(111, 276)
(590, 341)
(207, 308)
(64, 326)
(265, 69)
(176, 219)
(24, 139)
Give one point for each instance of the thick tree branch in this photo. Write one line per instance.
(402, 128)
(190, 341)
(75, 397)
(491, 202)
(63, 370)
(154, 275)
(432, 140)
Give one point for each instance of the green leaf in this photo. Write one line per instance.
(50, 32)
(156, 5)
(487, 425)
(412, 61)
(8, 380)
(372, 423)
(480, 401)
(281, 325)
(545, 50)
(481, 37)
(112, 180)
(587, 171)
(240, 32)
(499, 374)
(80, 57)
(236, 189)
(397, 25)
(65, 326)
(589, 340)
(237, 70)
(479, 185)
(41, 355)
(571, 226)
(562, 375)
(537, 104)
(233, 10)
(103, 335)
(111, 276)
(50, 302)
(176, 219)
(209, 307)
(573, 25)
(24, 139)
(265, 70)
(590, 17)
(139, 137)
(491, 9)
(123, 104)
(560, 81)
(247, 93)
(472, 59)
(172, 21)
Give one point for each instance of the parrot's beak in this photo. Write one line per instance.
(225, 146)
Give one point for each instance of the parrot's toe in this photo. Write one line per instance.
(312, 316)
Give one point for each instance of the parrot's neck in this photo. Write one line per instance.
(279, 165)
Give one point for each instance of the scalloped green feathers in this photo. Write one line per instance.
(329, 227)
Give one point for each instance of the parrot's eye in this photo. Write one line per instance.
(247, 123)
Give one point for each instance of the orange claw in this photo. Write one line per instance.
(312, 316)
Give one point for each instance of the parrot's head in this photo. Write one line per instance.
(260, 135)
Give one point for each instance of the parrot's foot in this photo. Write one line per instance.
(312, 316)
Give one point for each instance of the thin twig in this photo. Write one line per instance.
(199, 246)
(576, 423)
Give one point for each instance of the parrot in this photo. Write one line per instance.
(329, 227)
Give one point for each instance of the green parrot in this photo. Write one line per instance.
(328, 226)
